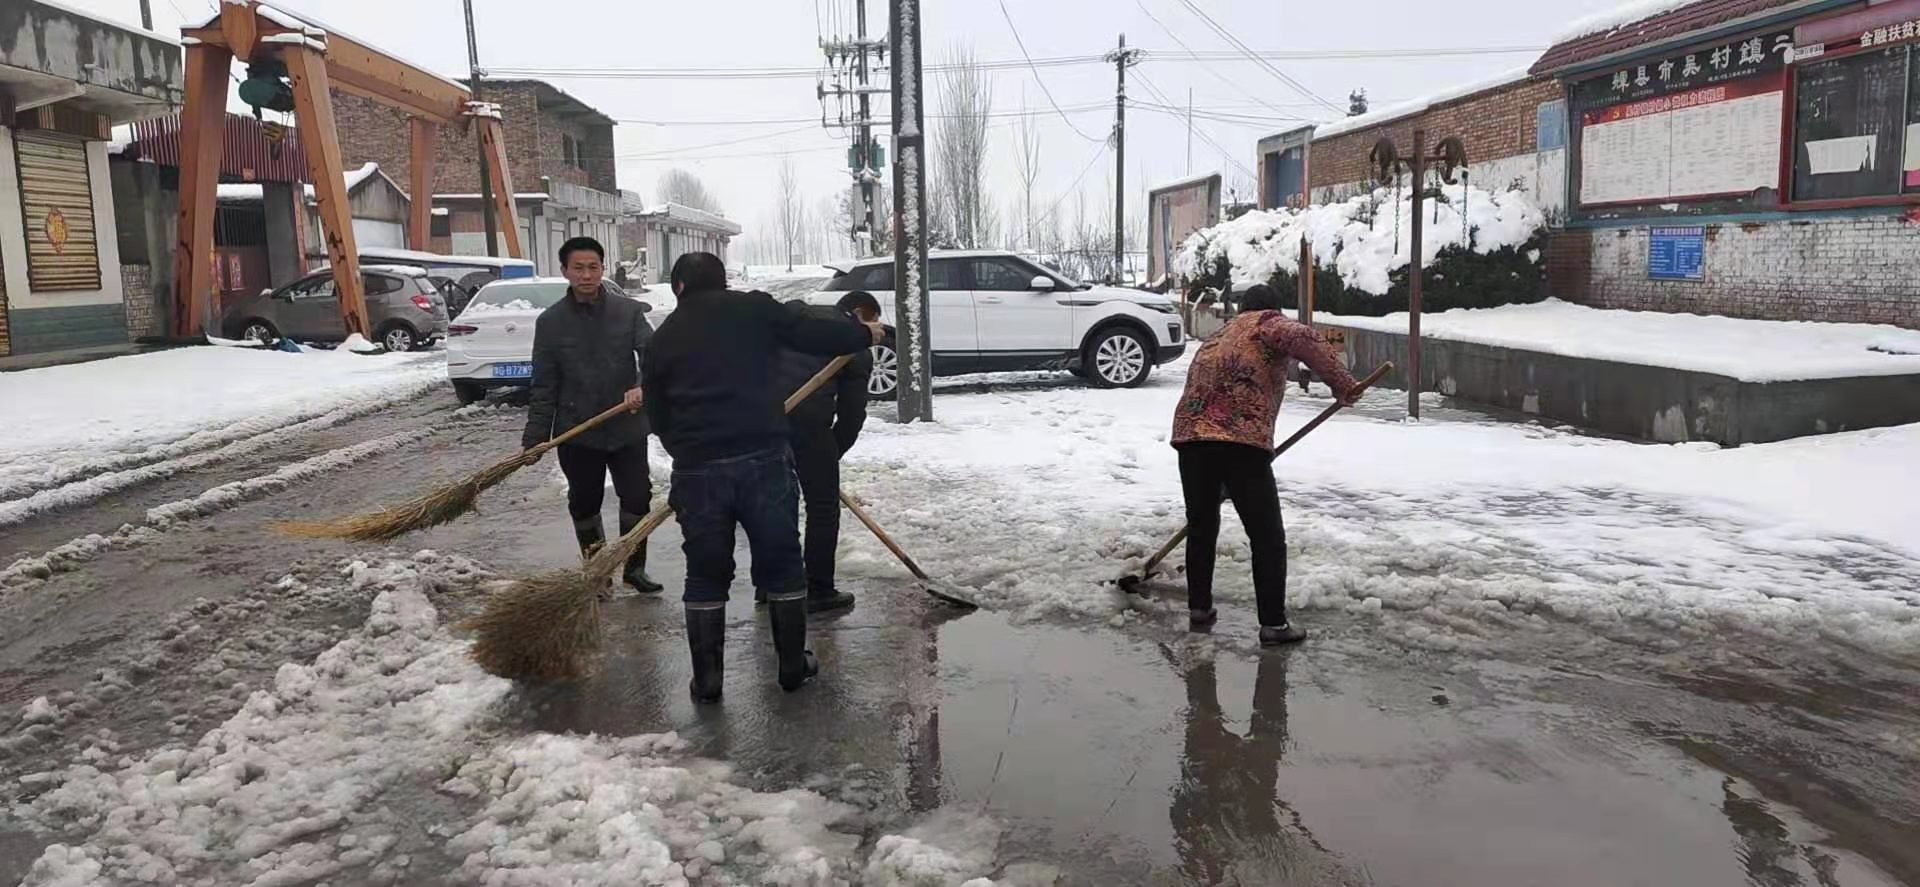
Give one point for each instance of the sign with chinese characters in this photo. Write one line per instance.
(1696, 124)
(1901, 32)
(1704, 66)
(1677, 253)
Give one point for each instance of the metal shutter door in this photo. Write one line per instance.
(56, 199)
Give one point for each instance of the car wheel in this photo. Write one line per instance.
(399, 337)
(1118, 359)
(260, 331)
(469, 392)
(884, 384)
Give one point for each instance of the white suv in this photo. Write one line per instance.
(1000, 312)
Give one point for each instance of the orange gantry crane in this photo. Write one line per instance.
(293, 64)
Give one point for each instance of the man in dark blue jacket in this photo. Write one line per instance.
(712, 396)
(821, 431)
(587, 349)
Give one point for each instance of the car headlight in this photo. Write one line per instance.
(1162, 307)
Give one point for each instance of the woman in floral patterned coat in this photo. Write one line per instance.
(1223, 429)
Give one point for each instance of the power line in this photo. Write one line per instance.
(999, 65)
(1036, 73)
(1074, 188)
(1196, 56)
(1276, 72)
(1196, 130)
(741, 140)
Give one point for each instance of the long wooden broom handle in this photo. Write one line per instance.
(861, 513)
(813, 384)
(1336, 406)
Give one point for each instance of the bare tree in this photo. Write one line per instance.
(685, 188)
(960, 145)
(790, 211)
(1027, 154)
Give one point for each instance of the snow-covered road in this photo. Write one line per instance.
(197, 702)
(1040, 491)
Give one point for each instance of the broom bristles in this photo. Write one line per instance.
(547, 627)
(543, 628)
(443, 505)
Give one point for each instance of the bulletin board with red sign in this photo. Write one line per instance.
(1856, 89)
(1702, 123)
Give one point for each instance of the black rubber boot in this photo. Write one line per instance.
(589, 532)
(1284, 633)
(636, 571)
(829, 601)
(788, 616)
(1201, 620)
(707, 640)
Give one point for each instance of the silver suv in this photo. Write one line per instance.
(406, 306)
(1001, 312)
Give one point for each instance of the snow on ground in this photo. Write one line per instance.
(1752, 350)
(306, 783)
(1362, 238)
(1039, 494)
(78, 431)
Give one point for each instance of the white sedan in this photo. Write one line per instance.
(490, 345)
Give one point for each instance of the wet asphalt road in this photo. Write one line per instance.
(1131, 755)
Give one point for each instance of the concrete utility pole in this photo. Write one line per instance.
(911, 343)
(146, 14)
(1122, 59)
(863, 158)
(487, 217)
(1189, 131)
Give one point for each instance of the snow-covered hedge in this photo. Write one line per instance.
(1481, 248)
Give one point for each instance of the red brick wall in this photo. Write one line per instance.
(1499, 122)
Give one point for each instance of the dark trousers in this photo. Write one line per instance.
(756, 493)
(1245, 475)
(816, 459)
(587, 469)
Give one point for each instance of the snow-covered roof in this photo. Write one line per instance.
(518, 195)
(1617, 17)
(247, 192)
(1186, 182)
(419, 257)
(1415, 106)
(410, 270)
(691, 216)
(109, 22)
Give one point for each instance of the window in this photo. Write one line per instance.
(1855, 127)
(379, 284)
(319, 287)
(440, 225)
(566, 150)
(1002, 275)
(944, 274)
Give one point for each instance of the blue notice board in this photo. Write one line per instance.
(1677, 253)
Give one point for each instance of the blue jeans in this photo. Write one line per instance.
(755, 492)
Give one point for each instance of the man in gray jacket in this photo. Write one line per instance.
(587, 350)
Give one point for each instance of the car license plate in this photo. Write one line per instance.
(513, 370)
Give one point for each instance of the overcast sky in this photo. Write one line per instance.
(737, 152)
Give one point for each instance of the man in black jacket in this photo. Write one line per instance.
(587, 349)
(820, 431)
(713, 399)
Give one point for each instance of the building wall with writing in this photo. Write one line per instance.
(1838, 269)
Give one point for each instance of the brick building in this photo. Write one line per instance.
(65, 79)
(1513, 127)
(559, 153)
(1785, 180)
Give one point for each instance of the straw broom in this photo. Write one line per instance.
(545, 627)
(441, 506)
